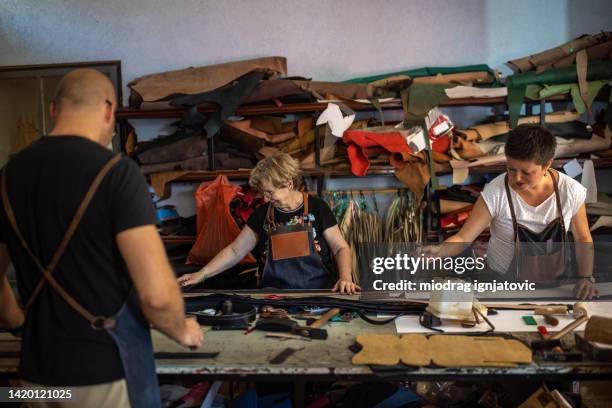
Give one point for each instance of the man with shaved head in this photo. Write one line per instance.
(78, 224)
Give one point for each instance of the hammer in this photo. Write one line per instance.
(314, 330)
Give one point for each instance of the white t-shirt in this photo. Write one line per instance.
(500, 250)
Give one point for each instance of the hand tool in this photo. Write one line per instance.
(581, 315)
(290, 326)
(287, 336)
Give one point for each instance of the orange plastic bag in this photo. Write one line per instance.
(216, 227)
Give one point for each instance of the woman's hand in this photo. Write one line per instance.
(190, 279)
(585, 289)
(347, 287)
(431, 251)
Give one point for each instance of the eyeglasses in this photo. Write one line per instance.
(268, 193)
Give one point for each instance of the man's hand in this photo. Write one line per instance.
(193, 337)
(347, 287)
(191, 278)
(585, 289)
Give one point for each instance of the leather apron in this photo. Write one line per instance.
(291, 260)
(540, 257)
(128, 328)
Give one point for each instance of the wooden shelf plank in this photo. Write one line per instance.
(345, 171)
(125, 113)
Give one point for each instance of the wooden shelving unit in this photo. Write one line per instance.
(126, 113)
(321, 172)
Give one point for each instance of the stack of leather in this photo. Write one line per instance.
(185, 149)
(411, 168)
(489, 136)
(264, 136)
(579, 67)
(456, 203)
(465, 75)
(483, 144)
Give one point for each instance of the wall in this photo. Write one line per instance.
(322, 39)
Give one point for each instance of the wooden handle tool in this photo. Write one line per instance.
(325, 318)
(550, 310)
(569, 328)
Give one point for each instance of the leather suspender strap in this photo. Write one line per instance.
(558, 199)
(305, 200)
(270, 213)
(97, 322)
(514, 226)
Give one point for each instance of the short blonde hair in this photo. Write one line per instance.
(278, 170)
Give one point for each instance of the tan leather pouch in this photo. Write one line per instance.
(441, 350)
(289, 242)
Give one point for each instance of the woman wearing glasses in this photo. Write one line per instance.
(296, 236)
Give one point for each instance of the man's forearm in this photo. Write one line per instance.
(11, 315)
(167, 316)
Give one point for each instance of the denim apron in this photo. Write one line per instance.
(540, 257)
(297, 272)
(128, 328)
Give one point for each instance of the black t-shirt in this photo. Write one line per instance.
(46, 182)
(319, 214)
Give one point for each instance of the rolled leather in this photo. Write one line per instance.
(190, 81)
(552, 55)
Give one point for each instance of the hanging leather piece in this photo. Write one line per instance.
(581, 73)
(227, 98)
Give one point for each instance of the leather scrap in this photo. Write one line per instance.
(228, 98)
(542, 59)
(190, 81)
(441, 350)
(161, 182)
(183, 149)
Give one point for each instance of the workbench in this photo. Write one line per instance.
(245, 357)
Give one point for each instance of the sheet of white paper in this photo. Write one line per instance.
(588, 180)
(416, 141)
(338, 123)
(572, 168)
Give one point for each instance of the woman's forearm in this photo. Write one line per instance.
(452, 246)
(585, 254)
(344, 263)
(224, 260)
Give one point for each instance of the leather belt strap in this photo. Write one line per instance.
(97, 322)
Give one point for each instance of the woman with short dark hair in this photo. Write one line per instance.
(530, 209)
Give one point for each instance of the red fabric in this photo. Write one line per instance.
(358, 140)
(394, 142)
(441, 145)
